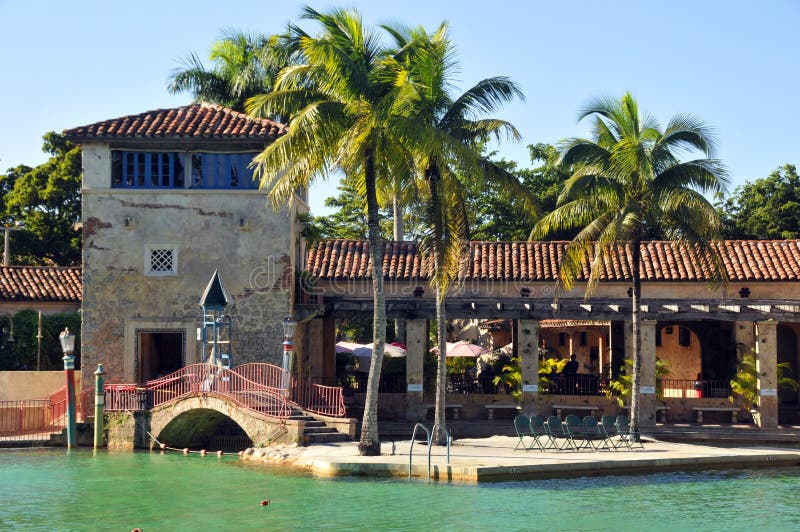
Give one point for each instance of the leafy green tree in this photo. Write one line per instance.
(621, 386)
(445, 136)
(767, 208)
(46, 199)
(243, 65)
(341, 109)
(349, 220)
(22, 352)
(626, 181)
(496, 214)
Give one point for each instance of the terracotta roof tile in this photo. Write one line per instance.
(198, 120)
(743, 260)
(39, 283)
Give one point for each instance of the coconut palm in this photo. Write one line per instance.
(445, 135)
(341, 118)
(244, 65)
(628, 183)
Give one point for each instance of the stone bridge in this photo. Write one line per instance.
(191, 419)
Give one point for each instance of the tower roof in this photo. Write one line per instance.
(215, 295)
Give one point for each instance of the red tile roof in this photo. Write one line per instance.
(40, 283)
(196, 121)
(743, 260)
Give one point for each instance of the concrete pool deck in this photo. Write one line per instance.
(493, 459)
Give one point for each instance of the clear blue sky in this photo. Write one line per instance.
(732, 63)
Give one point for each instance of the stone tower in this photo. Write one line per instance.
(168, 198)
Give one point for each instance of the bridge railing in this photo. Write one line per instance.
(316, 398)
(323, 400)
(199, 378)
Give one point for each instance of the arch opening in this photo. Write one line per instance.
(203, 428)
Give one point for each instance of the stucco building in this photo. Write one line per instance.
(168, 198)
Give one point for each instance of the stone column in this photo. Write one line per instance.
(744, 336)
(416, 342)
(316, 365)
(767, 369)
(647, 372)
(528, 349)
(329, 350)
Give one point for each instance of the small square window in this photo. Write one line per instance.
(161, 260)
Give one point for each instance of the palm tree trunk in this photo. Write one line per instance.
(397, 214)
(370, 444)
(636, 336)
(441, 318)
(441, 369)
(399, 228)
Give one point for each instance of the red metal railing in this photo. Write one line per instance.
(323, 400)
(259, 387)
(200, 378)
(29, 420)
(687, 388)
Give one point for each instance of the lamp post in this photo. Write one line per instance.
(67, 340)
(6, 240)
(289, 326)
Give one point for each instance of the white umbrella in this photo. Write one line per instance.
(462, 349)
(346, 347)
(363, 352)
(391, 351)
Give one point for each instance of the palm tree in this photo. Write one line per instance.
(244, 65)
(341, 118)
(627, 183)
(446, 136)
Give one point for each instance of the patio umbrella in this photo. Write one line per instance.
(462, 349)
(364, 354)
(346, 347)
(365, 350)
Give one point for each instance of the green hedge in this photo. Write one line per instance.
(20, 354)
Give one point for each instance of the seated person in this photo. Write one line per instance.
(571, 368)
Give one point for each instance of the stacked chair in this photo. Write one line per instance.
(611, 433)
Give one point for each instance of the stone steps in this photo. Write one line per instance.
(316, 431)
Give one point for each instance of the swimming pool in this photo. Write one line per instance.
(52, 489)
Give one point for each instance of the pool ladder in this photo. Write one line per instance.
(429, 434)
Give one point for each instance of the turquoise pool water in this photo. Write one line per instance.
(57, 490)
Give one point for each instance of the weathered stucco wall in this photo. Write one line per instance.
(25, 385)
(233, 231)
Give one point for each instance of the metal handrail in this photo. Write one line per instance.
(430, 441)
(411, 449)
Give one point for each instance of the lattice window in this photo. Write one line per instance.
(161, 260)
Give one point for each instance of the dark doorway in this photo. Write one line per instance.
(160, 353)
(787, 353)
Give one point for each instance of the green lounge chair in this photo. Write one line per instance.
(627, 437)
(592, 430)
(522, 424)
(555, 430)
(539, 433)
(574, 426)
(609, 428)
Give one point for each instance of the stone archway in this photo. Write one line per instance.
(191, 417)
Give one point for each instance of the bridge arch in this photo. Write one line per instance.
(192, 417)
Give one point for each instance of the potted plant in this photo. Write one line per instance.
(744, 385)
(620, 388)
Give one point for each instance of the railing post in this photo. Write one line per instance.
(99, 406)
(69, 371)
